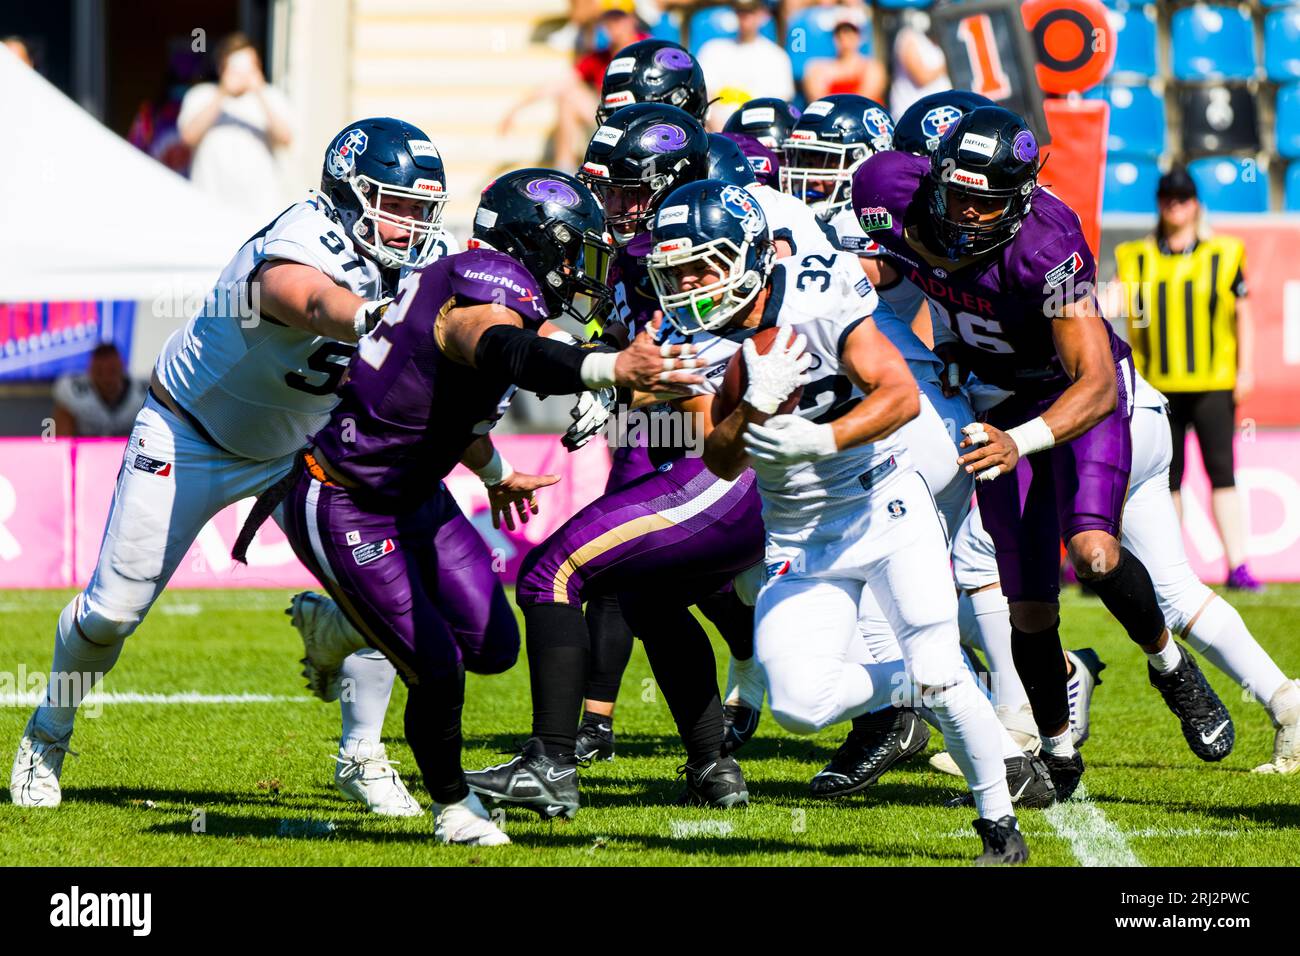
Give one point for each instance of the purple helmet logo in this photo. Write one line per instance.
(664, 138)
(1024, 147)
(551, 190)
(671, 58)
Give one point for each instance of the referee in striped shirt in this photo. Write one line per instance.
(1192, 337)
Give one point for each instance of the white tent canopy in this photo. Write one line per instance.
(88, 216)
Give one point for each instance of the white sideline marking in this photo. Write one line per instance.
(1094, 840)
(185, 697)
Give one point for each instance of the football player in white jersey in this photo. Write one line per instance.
(234, 395)
(843, 507)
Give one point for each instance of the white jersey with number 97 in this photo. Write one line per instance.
(259, 387)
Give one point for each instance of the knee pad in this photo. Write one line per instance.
(99, 627)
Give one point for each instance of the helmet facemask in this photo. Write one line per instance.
(819, 173)
(643, 196)
(712, 306)
(421, 232)
(976, 237)
(577, 288)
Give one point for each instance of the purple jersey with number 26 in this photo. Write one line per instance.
(999, 305)
(407, 412)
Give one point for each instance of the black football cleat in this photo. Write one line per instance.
(876, 744)
(532, 780)
(1065, 772)
(714, 783)
(1028, 780)
(738, 725)
(1207, 726)
(595, 741)
(1003, 842)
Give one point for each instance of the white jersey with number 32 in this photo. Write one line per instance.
(259, 387)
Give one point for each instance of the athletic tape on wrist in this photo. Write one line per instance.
(1032, 436)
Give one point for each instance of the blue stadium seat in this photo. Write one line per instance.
(1137, 119)
(1230, 184)
(667, 28)
(1213, 43)
(1288, 121)
(809, 37)
(1293, 187)
(1282, 45)
(903, 4)
(1276, 3)
(1135, 40)
(1130, 184)
(714, 22)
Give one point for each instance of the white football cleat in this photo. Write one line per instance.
(1285, 708)
(34, 780)
(1086, 677)
(368, 777)
(327, 639)
(1018, 723)
(467, 823)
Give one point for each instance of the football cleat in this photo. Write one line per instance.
(1018, 723)
(1285, 708)
(881, 740)
(1003, 842)
(1066, 773)
(467, 823)
(713, 783)
(1028, 781)
(1087, 670)
(1207, 726)
(530, 779)
(595, 741)
(738, 725)
(327, 639)
(367, 776)
(34, 780)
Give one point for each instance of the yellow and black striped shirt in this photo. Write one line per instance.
(1182, 311)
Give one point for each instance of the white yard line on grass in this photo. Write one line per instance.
(1094, 840)
(185, 697)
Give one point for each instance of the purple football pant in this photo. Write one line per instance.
(680, 529)
(629, 463)
(1056, 494)
(418, 584)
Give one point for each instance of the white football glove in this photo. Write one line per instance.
(589, 416)
(774, 375)
(789, 440)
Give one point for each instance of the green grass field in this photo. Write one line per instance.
(261, 772)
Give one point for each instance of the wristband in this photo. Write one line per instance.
(361, 321)
(598, 370)
(1032, 436)
(496, 470)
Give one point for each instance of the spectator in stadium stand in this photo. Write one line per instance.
(746, 68)
(154, 129)
(100, 402)
(577, 92)
(1192, 335)
(233, 126)
(18, 47)
(849, 71)
(919, 66)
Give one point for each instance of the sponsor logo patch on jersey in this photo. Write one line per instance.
(858, 244)
(153, 466)
(353, 537)
(761, 165)
(863, 287)
(373, 551)
(873, 218)
(777, 568)
(896, 508)
(1069, 267)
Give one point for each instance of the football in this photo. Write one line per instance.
(736, 380)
